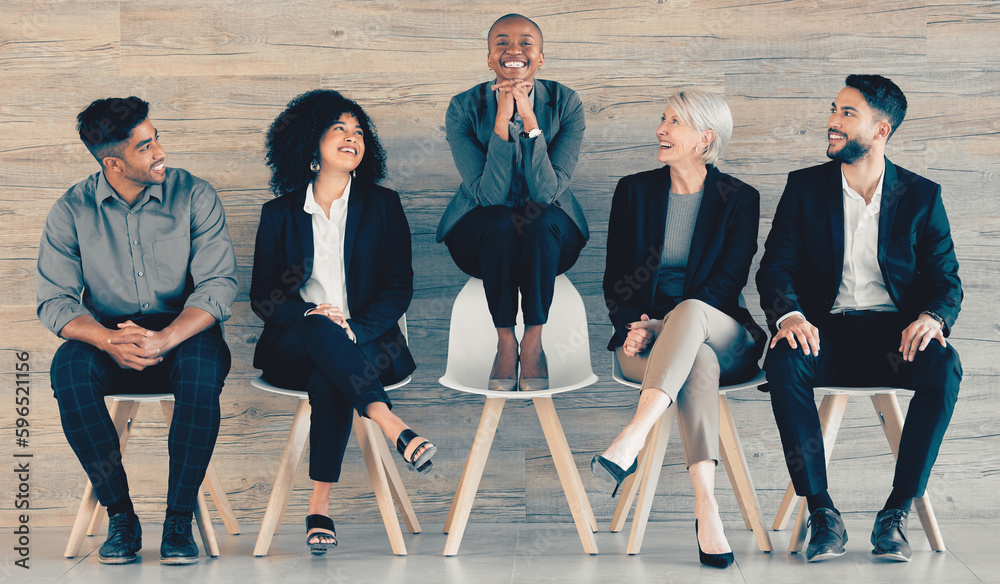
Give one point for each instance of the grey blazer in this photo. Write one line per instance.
(486, 162)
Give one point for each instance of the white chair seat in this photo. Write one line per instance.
(472, 345)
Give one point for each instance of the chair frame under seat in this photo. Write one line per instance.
(831, 414)
(647, 475)
(470, 355)
(90, 515)
(387, 483)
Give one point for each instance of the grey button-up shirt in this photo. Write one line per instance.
(169, 251)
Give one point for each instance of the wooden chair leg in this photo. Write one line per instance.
(891, 419)
(650, 470)
(739, 475)
(214, 485)
(204, 522)
(395, 480)
(786, 508)
(83, 516)
(626, 494)
(568, 473)
(831, 414)
(376, 472)
(122, 413)
(294, 448)
(468, 486)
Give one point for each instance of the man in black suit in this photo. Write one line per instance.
(860, 262)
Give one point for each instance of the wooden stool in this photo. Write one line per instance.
(646, 477)
(831, 414)
(382, 471)
(91, 513)
(471, 347)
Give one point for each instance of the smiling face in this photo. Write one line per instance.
(343, 145)
(679, 140)
(515, 46)
(852, 128)
(142, 161)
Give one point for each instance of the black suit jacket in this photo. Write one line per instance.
(803, 258)
(722, 249)
(376, 263)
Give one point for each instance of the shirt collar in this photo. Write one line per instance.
(876, 203)
(312, 207)
(106, 191)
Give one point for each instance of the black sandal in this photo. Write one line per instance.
(324, 527)
(423, 463)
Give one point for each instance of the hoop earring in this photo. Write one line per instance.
(314, 166)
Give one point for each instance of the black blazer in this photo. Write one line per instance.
(803, 259)
(722, 249)
(377, 265)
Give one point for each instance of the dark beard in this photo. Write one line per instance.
(852, 152)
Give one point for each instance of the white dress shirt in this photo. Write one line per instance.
(327, 283)
(861, 285)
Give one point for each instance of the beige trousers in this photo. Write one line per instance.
(697, 345)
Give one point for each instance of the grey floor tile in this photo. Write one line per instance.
(502, 553)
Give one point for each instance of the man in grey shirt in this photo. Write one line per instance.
(136, 270)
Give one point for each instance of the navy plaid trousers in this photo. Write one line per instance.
(194, 372)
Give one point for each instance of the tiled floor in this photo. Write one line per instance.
(514, 553)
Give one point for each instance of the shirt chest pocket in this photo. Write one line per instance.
(171, 257)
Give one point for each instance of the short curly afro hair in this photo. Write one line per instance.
(293, 140)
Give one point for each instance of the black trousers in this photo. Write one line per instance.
(516, 248)
(194, 372)
(860, 351)
(316, 354)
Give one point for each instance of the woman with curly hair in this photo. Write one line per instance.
(514, 222)
(331, 278)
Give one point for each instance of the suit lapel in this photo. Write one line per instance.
(891, 191)
(704, 226)
(657, 196)
(835, 211)
(355, 206)
(543, 108)
(303, 222)
(488, 106)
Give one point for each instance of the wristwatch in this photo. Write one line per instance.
(532, 134)
(935, 316)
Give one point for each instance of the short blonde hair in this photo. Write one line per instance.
(705, 111)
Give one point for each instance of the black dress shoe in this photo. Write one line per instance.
(828, 535)
(124, 540)
(178, 547)
(723, 560)
(889, 536)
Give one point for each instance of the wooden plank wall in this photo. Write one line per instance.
(218, 72)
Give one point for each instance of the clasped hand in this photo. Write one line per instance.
(511, 93)
(640, 334)
(336, 315)
(135, 347)
(799, 331)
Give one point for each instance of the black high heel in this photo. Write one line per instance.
(714, 560)
(609, 471)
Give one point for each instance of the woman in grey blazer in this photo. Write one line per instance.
(514, 222)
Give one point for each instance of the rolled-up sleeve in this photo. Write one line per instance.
(213, 260)
(60, 271)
